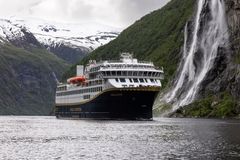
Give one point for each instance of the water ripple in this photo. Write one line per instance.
(43, 138)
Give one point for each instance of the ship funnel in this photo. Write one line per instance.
(80, 70)
(127, 57)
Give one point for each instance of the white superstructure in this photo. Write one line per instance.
(127, 72)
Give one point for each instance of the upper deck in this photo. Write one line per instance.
(126, 66)
(127, 72)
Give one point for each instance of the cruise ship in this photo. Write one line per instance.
(122, 89)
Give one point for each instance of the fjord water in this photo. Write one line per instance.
(209, 33)
(44, 138)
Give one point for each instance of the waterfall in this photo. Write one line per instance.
(199, 52)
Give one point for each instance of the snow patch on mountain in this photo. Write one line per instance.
(8, 31)
(89, 35)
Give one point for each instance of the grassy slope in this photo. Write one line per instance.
(221, 106)
(157, 36)
(27, 86)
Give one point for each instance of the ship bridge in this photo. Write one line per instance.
(126, 72)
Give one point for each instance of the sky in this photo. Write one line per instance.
(117, 13)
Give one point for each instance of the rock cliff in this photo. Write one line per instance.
(219, 95)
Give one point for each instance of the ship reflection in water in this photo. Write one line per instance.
(49, 138)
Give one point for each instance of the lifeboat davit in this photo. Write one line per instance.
(77, 79)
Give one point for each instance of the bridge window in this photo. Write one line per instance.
(149, 74)
(116, 79)
(130, 80)
(113, 73)
(122, 80)
(118, 73)
(124, 73)
(130, 73)
(135, 80)
(154, 74)
(141, 80)
(135, 73)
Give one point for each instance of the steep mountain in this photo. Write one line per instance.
(27, 82)
(34, 53)
(70, 42)
(157, 36)
(212, 82)
(197, 43)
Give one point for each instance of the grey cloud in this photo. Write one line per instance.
(82, 11)
(120, 13)
(135, 9)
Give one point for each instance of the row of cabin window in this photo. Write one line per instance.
(91, 83)
(88, 90)
(128, 66)
(63, 88)
(86, 96)
(131, 73)
(135, 80)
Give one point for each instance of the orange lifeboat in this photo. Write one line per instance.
(76, 80)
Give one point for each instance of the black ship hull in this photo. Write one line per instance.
(113, 104)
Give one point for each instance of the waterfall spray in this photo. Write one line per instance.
(202, 48)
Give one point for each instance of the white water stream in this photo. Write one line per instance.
(208, 35)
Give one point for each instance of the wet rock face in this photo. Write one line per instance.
(233, 16)
(233, 19)
(225, 75)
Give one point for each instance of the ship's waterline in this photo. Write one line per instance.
(122, 89)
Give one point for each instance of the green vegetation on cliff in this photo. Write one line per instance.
(221, 106)
(157, 36)
(27, 81)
